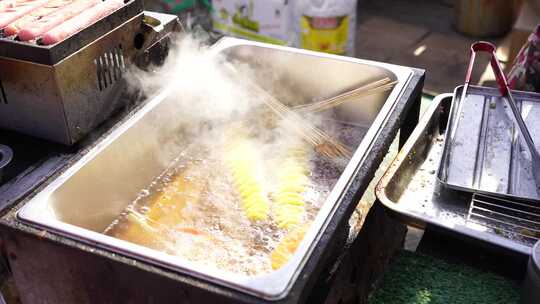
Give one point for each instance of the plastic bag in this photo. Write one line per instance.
(525, 73)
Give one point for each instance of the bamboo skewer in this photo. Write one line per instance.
(382, 85)
(322, 142)
(315, 136)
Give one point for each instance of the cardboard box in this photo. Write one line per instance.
(266, 21)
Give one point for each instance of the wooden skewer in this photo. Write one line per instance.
(372, 88)
(336, 101)
(323, 143)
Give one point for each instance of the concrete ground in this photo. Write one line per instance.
(418, 33)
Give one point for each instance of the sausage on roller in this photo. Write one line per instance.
(14, 10)
(35, 15)
(85, 19)
(39, 27)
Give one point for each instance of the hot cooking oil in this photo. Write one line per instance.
(196, 210)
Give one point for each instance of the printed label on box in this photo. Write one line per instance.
(265, 21)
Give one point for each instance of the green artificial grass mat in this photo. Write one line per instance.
(413, 278)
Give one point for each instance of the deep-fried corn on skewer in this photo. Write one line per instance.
(245, 167)
(289, 202)
(286, 248)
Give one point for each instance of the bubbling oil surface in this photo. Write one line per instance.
(194, 211)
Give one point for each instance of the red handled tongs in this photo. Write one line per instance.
(505, 92)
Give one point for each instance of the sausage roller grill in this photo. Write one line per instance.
(61, 92)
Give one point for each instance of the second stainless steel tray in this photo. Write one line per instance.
(410, 190)
(484, 152)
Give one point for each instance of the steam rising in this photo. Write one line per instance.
(208, 108)
(201, 88)
(208, 99)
